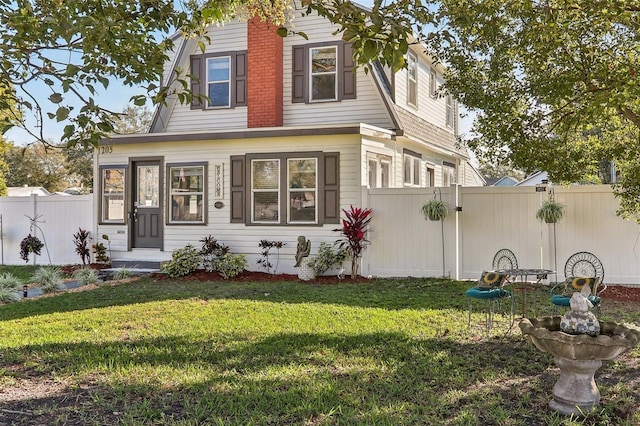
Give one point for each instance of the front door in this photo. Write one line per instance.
(146, 225)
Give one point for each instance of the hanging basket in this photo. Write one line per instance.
(434, 210)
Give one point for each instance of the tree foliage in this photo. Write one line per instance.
(554, 84)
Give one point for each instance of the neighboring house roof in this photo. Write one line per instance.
(505, 181)
(534, 179)
(26, 191)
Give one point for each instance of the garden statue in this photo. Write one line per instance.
(303, 249)
(578, 320)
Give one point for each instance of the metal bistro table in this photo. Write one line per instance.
(525, 284)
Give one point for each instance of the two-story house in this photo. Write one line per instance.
(291, 133)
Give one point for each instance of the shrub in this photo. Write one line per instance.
(327, 258)
(266, 247)
(354, 229)
(184, 261)
(86, 276)
(49, 279)
(8, 284)
(211, 251)
(121, 274)
(230, 265)
(8, 295)
(8, 280)
(100, 250)
(81, 240)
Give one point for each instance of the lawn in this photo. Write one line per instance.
(383, 352)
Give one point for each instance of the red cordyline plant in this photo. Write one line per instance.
(354, 229)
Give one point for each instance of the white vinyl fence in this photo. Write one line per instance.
(58, 218)
(403, 243)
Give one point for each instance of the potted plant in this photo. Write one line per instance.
(434, 210)
(550, 211)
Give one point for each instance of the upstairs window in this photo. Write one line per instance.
(323, 81)
(323, 72)
(412, 79)
(220, 79)
(433, 83)
(219, 82)
(451, 113)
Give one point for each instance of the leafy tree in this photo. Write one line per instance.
(36, 165)
(133, 120)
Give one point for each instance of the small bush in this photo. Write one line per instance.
(8, 295)
(121, 274)
(10, 281)
(86, 276)
(211, 251)
(327, 258)
(49, 279)
(100, 250)
(184, 261)
(230, 265)
(81, 241)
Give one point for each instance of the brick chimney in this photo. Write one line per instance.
(264, 75)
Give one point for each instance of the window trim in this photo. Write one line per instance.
(415, 167)
(379, 160)
(170, 193)
(208, 82)
(311, 74)
(125, 194)
(412, 83)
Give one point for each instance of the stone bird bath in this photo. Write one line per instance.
(579, 356)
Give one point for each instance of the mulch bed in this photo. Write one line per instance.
(622, 293)
(249, 276)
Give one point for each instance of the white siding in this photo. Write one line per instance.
(430, 109)
(230, 37)
(241, 238)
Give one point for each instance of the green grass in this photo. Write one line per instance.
(384, 352)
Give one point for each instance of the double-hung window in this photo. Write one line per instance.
(451, 113)
(265, 190)
(187, 193)
(219, 82)
(323, 72)
(287, 188)
(379, 170)
(412, 79)
(412, 164)
(433, 83)
(112, 184)
(323, 79)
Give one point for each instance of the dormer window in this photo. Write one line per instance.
(412, 79)
(221, 78)
(323, 81)
(219, 82)
(322, 72)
